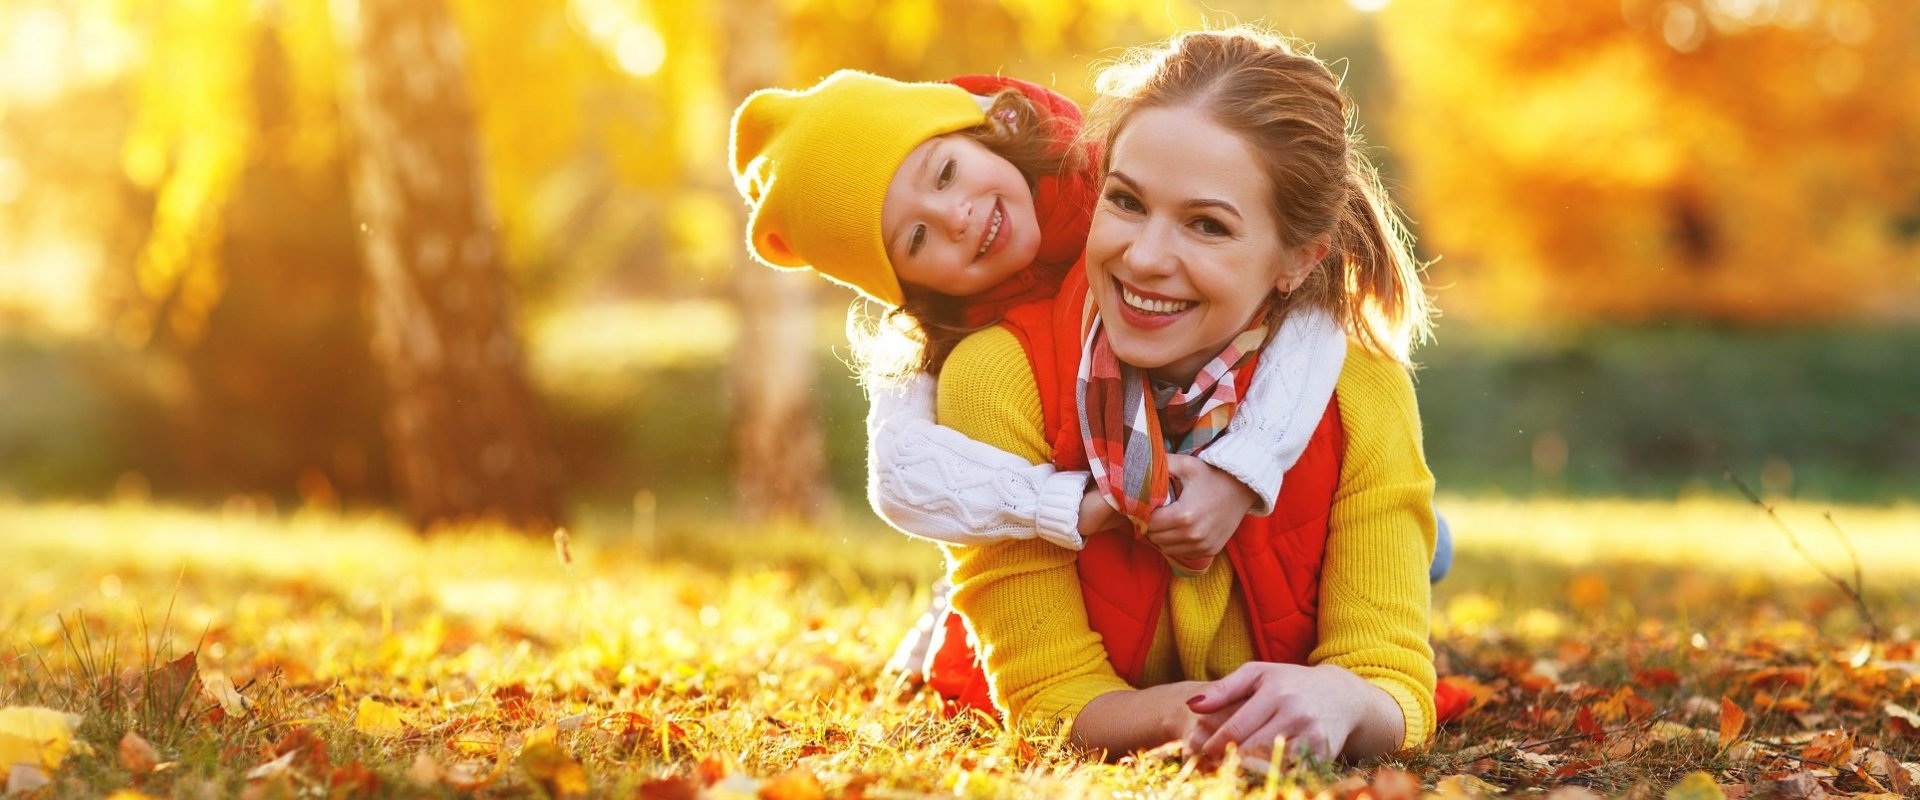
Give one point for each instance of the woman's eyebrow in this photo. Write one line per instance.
(1198, 202)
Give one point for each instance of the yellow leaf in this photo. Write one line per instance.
(1464, 787)
(128, 794)
(546, 762)
(219, 688)
(1696, 786)
(34, 736)
(375, 718)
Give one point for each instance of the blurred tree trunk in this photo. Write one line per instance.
(780, 467)
(461, 420)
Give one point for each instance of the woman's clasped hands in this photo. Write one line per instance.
(1324, 711)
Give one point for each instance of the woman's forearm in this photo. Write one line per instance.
(1381, 728)
(1136, 719)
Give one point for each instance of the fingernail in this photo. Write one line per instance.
(1196, 698)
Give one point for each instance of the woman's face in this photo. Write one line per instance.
(1185, 247)
(958, 218)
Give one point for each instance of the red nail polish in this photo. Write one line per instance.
(1195, 699)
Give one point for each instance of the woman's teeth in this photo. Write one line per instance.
(1153, 306)
(993, 232)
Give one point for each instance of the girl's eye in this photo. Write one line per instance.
(1210, 227)
(919, 237)
(1124, 202)
(946, 175)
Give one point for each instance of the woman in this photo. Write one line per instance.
(1233, 197)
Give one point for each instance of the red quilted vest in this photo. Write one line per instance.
(1276, 559)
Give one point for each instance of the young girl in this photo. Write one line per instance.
(1234, 200)
(952, 203)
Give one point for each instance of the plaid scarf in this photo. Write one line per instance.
(1128, 439)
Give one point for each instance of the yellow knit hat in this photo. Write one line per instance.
(814, 168)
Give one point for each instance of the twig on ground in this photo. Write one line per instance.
(1604, 732)
(1779, 751)
(1852, 591)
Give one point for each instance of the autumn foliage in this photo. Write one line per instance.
(1756, 162)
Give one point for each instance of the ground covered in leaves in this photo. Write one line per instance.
(1679, 650)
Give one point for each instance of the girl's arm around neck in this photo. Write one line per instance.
(933, 482)
(1298, 369)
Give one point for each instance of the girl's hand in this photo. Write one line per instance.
(1198, 523)
(1324, 710)
(1095, 514)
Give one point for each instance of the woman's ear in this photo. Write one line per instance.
(1299, 262)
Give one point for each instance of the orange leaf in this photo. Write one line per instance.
(1903, 721)
(712, 769)
(1778, 677)
(354, 780)
(795, 785)
(1785, 705)
(1833, 747)
(136, 755)
(516, 703)
(670, 789)
(1395, 784)
(1732, 719)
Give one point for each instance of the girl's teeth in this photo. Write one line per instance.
(1154, 306)
(993, 232)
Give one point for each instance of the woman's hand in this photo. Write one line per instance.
(1197, 524)
(1324, 710)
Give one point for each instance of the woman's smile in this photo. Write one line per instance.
(1146, 310)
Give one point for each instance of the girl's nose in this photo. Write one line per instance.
(956, 215)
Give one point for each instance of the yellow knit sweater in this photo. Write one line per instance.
(1022, 598)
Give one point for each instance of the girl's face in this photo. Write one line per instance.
(957, 218)
(1185, 246)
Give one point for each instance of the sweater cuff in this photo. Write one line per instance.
(1245, 458)
(1418, 726)
(1057, 514)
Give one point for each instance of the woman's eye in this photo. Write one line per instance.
(1210, 227)
(946, 175)
(1124, 202)
(919, 237)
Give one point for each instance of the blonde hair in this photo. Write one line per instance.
(1289, 109)
(890, 345)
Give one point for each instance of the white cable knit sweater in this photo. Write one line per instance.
(930, 481)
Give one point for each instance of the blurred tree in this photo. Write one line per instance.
(462, 425)
(1744, 161)
(780, 466)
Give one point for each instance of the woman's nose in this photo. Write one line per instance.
(1150, 253)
